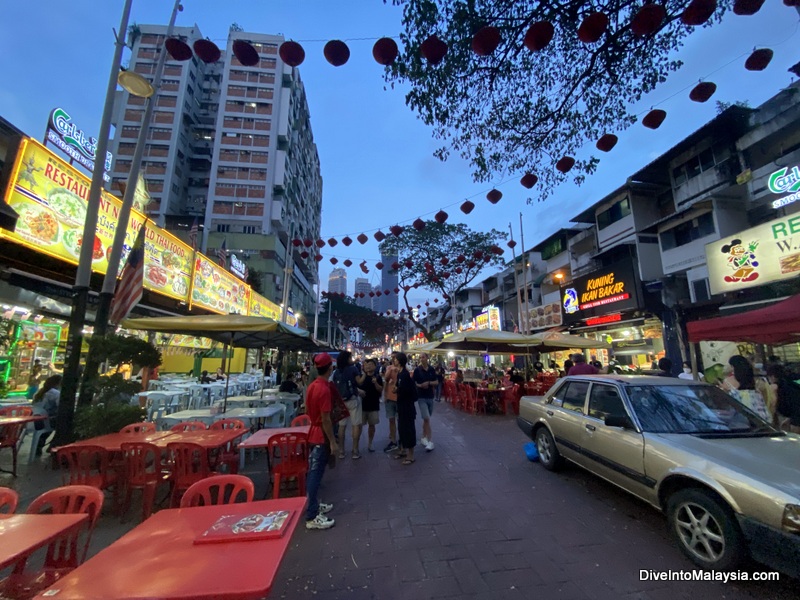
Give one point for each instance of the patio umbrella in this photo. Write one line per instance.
(487, 341)
(551, 341)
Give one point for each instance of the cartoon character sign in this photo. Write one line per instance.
(741, 260)
(571, 303)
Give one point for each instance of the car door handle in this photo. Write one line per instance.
(549, 413)
(590, 427)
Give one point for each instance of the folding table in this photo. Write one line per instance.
(260, 439)
(22, 535)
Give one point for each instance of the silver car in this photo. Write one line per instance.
(728, 481)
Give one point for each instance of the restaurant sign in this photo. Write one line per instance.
(488, 319)
(755, 256)
(785, 181)
(69, 138)
(610, 290)
(237, 266)
(217, 290)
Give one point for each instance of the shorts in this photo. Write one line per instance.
(371, 417)
(391, 409)
(354, 407)
(425, 408)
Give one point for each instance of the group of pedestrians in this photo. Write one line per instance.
(360, 392)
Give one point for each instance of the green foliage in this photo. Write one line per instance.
(114, 388)
(102, 418)
(428, 247)
(723, 106)
(517, 110)
(373, 327)
(120, 349)
(255, 279)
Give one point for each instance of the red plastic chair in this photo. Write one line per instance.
(301, 420)
(16, 411)
(288, 458)
(512, 396)
(141, 471)
(189, 426)
(228, 424)
(218, 489)
(64, 553)
(229, 455)
(8, 500)
(189, 465)
(139, 428)
(9, 438)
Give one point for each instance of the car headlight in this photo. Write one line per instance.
(791, 518)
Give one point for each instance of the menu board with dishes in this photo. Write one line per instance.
(39, 332)
(51, 199)
(542, 317)
(261, 307)
(217, 290)
(189, 341)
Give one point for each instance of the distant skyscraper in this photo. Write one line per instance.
(337, 282)
(389, 281)
(363, 286)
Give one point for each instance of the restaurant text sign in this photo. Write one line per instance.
(609, 290)
(63, 133)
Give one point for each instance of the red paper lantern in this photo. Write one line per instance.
(419, 306)
(395, 265)
(607, 142)
(380, 236)
(441, 217)
(207, 51)
(308, 243)
(372, 294)
(396, 290)
(385, 51)
(428, 266)
(758, 60)
(496, 249)
(698, 12)
(245, 53)
(471, 264)
(320, 243)
(348, 263)
(747, 7)
(648, 19)
(494, 196)
(445, 275)
(565, 164)
(486, 41)
(592, 28)
(362, 239)
(292, 53)
(407, 287)
(396, 230)
(178, 49)
(318, 257)
(487, 258)
(408, 264)
(427, 303)
(529, 180)
(511, 244)
(336, 52)
(296, 242)
(444, 260)
(461, 258)
(538, 36)
(332, 242)
(334, 260)
(702, 91)
(654, 118)
(459, 270)
(379, 266)
(379, 293)
(386, 292)
(467, 207)
(418, 224)
(435, 299)
(433, 50)
(304, 254)
(478, 254)
(346, 240)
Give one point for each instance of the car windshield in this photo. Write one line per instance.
(697, 409)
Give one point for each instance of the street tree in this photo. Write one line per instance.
(542, 93)
(443, 258)
(373, 327)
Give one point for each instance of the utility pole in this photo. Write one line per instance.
(288, 268)
(525, 314)
(516, 279)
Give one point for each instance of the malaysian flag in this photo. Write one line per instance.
(246, 273)
(130, 286)
(222, 254)
(193, 231)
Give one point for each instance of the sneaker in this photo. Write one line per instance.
(424, 441)
(370, 449)
(429, 446)
(341, 455)
(324, 508)
(390, 447)
(320, 522)
(356, 454)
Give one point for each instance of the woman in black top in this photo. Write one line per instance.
(406, 412)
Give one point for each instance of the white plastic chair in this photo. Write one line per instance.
(36, 434)
(157, 406)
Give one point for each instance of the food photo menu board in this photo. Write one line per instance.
(51, 199)
(217, 290)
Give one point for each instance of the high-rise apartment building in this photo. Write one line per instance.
(337, 282)
(389, 281)
(232, 147)
(362, 286)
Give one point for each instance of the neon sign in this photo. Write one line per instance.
(783, 180)
(605, 319)
(69, 138)
(237, 267)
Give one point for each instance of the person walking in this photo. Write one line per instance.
(390, 404)
(372, 384)
(346, 378)
(581, 367)
(406, 391)
(741, 384)
(47, 399)
(426, 380)
(440, 382)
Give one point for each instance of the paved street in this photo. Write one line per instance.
(473, 519)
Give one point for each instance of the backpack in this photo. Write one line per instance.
(344, 385)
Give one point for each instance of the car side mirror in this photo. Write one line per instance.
(623, 421)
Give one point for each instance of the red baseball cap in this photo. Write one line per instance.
(322, 360)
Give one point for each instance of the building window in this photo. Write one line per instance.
(704, 161)
(223, 228)
(700, 291)
(688, 231)
(250, 229)
(617, 212)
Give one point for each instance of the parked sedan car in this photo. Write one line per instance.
(728, 481)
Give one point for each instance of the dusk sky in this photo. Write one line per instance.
(376, 156)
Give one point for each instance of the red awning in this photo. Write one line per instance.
(776, 324)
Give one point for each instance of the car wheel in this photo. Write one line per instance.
(706, 531)
(549, 456)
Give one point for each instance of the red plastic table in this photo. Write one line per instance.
(21, 535)
(209, 439)
(260, 439)
(158, 559)
(20, 420)
(112, 442)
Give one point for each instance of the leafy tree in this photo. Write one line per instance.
(444, 258)
(518, 110)
(255, 280)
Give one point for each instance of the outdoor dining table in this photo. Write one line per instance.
(261, 438)
(112, 442)
(21, 420)
(22, 535)
(492, 395)
(159, 559)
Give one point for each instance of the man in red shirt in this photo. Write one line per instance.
(321, 440)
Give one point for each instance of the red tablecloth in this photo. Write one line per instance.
(21, 535)
(158, 559)
(260, 439)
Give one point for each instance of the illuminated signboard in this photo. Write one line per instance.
(488, 319)
(785, 181)
(759, 255)
(237, 267)
(217, 290)
(610, 290)
(541, 317)
(603, 320)
(51, 199)
(66, 136)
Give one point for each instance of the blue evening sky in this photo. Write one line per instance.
(376, 156)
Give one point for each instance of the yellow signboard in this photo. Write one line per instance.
(51, 199)
(217, 290)
(261, 307)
